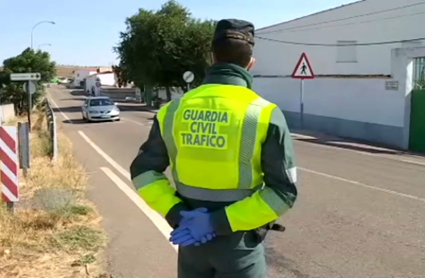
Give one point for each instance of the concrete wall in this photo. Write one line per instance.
(80, 75)
(361, 108)
(357, 108)
(7, 112)
(274, 58)
(106, 79)
(118, 94)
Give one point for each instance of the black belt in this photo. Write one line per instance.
(273, 226)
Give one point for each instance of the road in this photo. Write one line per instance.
(358, 215)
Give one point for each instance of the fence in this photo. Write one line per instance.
(52, 128)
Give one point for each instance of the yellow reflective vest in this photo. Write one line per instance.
(213, 136)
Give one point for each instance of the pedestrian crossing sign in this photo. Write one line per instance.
(303, 69)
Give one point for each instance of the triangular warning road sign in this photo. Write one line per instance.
(303, 69)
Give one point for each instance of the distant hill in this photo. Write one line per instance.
(68, 70)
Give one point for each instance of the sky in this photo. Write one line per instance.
(85, 32)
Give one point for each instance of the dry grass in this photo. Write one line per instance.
(54, 232)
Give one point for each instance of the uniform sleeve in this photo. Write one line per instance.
(147, 175)
(279, 192)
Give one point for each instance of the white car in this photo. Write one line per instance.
(100, 109)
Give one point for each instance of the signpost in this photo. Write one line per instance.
(35, 76)
(188, 77)
(303, 70)
(30, 87)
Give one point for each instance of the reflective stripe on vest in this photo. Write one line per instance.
(214, 195)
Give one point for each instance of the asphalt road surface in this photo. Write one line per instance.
(360, 211)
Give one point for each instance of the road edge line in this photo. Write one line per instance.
(154, 217)
(364, 185)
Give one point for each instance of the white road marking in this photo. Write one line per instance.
(306, 137)
(364, 185)
(162, 225)
(156, 219)
(137, 123)
(57, 107)
(127, 175)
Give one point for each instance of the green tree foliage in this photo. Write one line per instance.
(122, 76)
(28, 61)
(159, 46)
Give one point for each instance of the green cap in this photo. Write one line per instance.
(234, 29)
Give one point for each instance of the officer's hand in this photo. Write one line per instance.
(183, 236)
(194, 229)
(185, 220)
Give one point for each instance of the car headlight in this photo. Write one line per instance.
(92, 111)
(116, 109)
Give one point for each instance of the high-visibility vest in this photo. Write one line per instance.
(213, 136)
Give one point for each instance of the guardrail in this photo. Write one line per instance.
(52, 128)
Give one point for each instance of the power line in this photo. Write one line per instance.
(333, 45)
(354, 23)
(345, 18)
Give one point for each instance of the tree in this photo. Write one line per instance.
(159, 46)
(28, 61)
(122, 75)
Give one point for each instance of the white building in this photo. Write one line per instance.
(81, 74)
(350, 95)
(104, 79)
(362, 22)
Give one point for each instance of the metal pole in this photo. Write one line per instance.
(302, 104)
(32, 31)
(10, 207)
(188, 87)
(29, 104)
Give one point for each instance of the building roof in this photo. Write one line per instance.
(313, 14)
(98, 73)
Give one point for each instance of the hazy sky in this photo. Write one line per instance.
(86, 31)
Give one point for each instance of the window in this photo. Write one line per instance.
(101, 102)
(346, 52)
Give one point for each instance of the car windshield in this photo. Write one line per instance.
(101, 102)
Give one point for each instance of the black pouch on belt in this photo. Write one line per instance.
(272, 226)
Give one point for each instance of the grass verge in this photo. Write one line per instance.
(55, 231)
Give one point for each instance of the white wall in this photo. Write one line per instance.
(80, 75)
(107, 79)
(364, 100)
(7, 113)
(275, 58)
(362, 108)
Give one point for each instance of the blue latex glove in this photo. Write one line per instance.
(196, 228)
(186, 220)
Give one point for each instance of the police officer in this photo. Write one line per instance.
(231, 159)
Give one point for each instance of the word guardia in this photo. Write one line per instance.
(203, 128)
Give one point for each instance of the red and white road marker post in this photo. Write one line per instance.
(9, 165)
